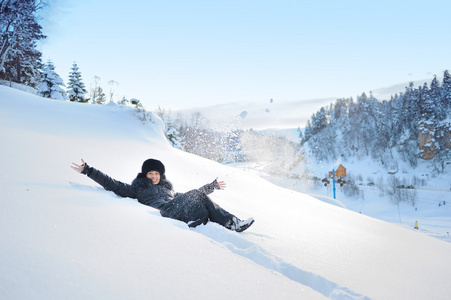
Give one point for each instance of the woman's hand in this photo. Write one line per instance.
(222, 184)
(79, 168)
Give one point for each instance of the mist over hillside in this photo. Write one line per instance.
(273, 113)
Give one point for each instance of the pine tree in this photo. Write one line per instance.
(100, 96)
(365, 118)
(172, 134)
(308, 131)
(446, 90)
(20, 61)
(50, 85)
(427, 106)
(346, 127)
(353, 136)
(300, 135)
(319, 120)
(96, 92)
(76, 87)
(436, 99)
(411, 114)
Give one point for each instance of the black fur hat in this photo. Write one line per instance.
(152, 165)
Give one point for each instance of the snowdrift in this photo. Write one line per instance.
(63, 237)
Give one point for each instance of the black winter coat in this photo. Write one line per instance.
(188, 207)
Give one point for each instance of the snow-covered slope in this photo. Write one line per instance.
(63, 237)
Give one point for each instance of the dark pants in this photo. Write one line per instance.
(195, 208)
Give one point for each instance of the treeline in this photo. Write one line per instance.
(415, 123)
(21, 61)
(51, 85)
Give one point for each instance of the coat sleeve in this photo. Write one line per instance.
(210, 187)
(110, 184)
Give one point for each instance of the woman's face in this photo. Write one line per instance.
(154, 176)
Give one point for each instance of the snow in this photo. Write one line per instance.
(259, 115)
(64, 237)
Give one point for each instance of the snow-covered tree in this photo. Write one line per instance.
(411, 114)
(301, 135)
(20, 61)
(51, 84)
(100, 96)
(97, 94)
(76, 87)
(172, 133)
(338, 111)
(396, 105)
(123, 101)
(319, 120)
(376, 127)
(446, 90)
(427, 105)
(308, 131)
(436, 98)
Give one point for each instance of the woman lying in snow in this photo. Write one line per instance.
(152, 188)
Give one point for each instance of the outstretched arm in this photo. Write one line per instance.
(108, 183)
(215, 185)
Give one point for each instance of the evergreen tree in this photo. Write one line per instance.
(353, 137)
(100, 96)
(346, 128)
(76, 87)
(124, 101)
(436, 98)
(427, 106)
(172, 134)
(446, 90)
(411, 113)
(51, 83)
(20, 61)
(338, 112)
(396, 108)
(308, 131)
(319, 120)
(382, 130)
(365, 119)
(97, 95)
(301, 135)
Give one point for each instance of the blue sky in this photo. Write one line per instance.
(184, 54)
